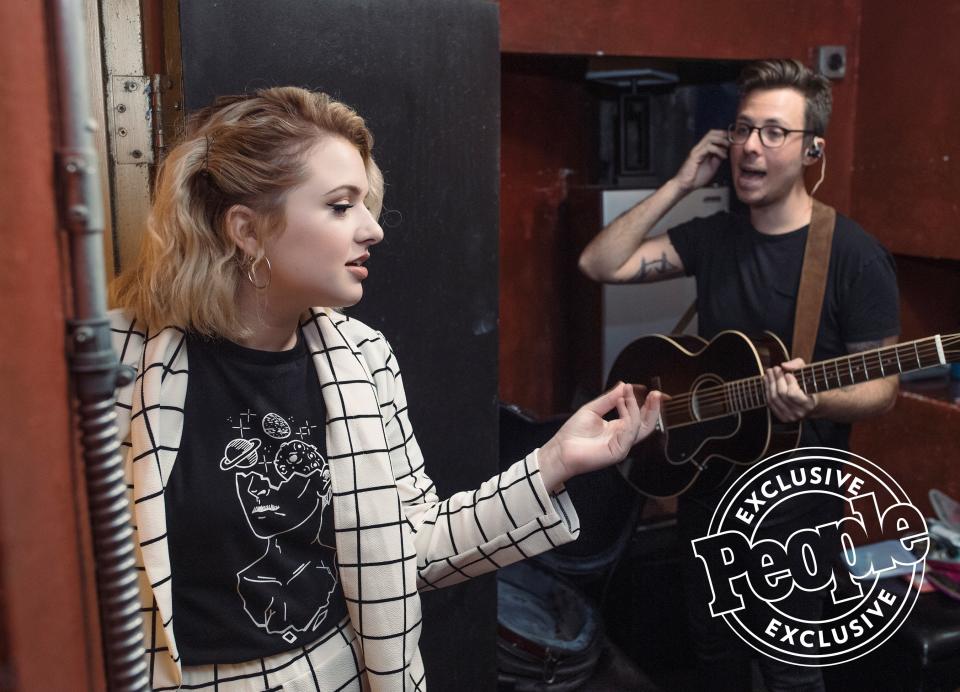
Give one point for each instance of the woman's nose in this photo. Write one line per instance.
(370, 231)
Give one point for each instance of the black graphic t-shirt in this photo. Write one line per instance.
(249, 516)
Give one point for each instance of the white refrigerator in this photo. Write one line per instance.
(634, 310)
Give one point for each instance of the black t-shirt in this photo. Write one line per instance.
(748, 281)
(249, 521)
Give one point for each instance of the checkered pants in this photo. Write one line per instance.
(333, 662)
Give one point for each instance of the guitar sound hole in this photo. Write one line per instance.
(704, 400)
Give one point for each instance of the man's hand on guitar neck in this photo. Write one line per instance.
(846, 404)
(587, 442)
(785, 397)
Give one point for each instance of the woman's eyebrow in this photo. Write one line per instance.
(353, 189)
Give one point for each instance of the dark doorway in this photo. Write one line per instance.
(425, 75)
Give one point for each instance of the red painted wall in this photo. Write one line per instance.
(739, 29)
(545, 147)
(905, 190)
(929, 297)
(917, 443)
(50, 640)
(906, 184)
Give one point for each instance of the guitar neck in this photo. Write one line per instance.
(751, 393)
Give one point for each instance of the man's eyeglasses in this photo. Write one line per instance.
(771, 136)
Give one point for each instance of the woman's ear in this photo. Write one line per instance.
(241, 229)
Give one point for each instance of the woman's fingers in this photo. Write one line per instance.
(622, 410)
(606, 401)
(633, 403)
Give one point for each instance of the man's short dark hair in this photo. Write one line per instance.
(792, 74)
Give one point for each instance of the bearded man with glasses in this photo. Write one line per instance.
(748, 273)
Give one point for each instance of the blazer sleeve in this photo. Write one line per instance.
(508, 518)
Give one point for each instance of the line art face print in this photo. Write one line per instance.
(284, 501)
(751, 576)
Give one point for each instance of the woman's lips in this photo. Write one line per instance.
(356, 266)
(358, 271)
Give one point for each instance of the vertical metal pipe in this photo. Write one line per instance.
(93, 363)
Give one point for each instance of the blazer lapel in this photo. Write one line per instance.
(375, 554)
(156, 427)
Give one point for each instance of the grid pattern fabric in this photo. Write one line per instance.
(394, 536)
(330, 663)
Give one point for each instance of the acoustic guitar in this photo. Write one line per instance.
(715, 416)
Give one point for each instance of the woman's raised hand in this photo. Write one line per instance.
(587, 442)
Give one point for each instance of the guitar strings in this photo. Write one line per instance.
(809, 370)
(712, 403)
(752, 388)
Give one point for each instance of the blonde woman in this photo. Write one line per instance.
(284, 518)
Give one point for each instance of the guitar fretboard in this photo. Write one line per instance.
(750, 393)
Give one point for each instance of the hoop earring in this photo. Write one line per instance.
(251, 272)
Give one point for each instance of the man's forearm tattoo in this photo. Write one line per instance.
(660, 266)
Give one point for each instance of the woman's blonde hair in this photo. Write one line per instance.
(246, 150)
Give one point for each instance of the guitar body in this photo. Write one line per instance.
(700, 452)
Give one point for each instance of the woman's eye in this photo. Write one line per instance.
(340, 209)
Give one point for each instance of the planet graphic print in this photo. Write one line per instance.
(240, 453)
(275, 426)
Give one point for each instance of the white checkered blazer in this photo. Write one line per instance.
(394, 536)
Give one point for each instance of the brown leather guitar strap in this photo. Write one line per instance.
(813, 281)
(813, 284)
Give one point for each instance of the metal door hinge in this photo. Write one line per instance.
(131, 119)
(136, 118)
